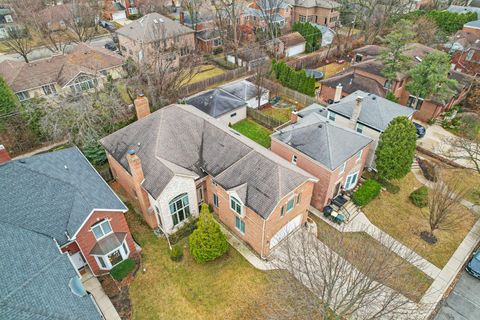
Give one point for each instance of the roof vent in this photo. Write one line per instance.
(320, 125)
(374, 98)
(161, 20)
(155, 20)
(65, 167)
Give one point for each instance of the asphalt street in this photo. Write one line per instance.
(463, 303)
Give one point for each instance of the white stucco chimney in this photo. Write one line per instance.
(338, 93)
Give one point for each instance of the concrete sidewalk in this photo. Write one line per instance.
(361, 224)
(93, 286)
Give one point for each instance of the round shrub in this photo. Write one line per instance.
(419, 197)
(368, 191)
(176, 254)
(207, 242)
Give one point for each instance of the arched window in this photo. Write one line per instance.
(179, 208)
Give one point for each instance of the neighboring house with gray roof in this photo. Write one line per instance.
(220, 104)
(248, 92)
(335, 154)
(144, 38)
(60, 196)
(179, 157)
(368, 114)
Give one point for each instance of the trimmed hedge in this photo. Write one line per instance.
(368, 191)
(121, 270)
(176, 254)
(419, 197)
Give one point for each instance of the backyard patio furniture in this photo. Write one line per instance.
(327, 211)
(339, 201)
(275, 100)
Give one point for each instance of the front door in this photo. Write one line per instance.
(337, 189)
(351, 181)
(78, 260)
(200, 198)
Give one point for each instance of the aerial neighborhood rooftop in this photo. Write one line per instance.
(244, 159)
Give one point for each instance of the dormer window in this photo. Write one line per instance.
(331, 116)
(101, 229)
(235, 205)
(359, 127)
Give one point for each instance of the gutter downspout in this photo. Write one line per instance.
(263, 240)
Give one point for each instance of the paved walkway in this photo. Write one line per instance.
(93, 286)
(361, 224)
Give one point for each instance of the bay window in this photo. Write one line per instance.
(179, 208)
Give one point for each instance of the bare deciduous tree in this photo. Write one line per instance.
(227, 14)
(81, 19)
(20, 41)
(330, 286)
(464, 149)
(442, 202)
(163, 69)
(269, 10)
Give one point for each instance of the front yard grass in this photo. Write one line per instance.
(410, 281)
(396, 215)
(467, 179)
(226, 288)
(254, 131)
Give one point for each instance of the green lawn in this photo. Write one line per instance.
(254, 131)
(226, 288)
(409, 280)
(396, 215)
(281, 114)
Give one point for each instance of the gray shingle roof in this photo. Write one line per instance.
(242, 89)
(216, 102)
(107, 244)
(153, 27)
(322, 140)
(376, 112)
(199, 144)
(53, 193)
(35, 279)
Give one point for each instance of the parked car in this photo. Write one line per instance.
(107, 25)
(421, 130)
(111, 46)
(473, 266)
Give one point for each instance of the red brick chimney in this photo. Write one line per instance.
(293, 117)
(4, 156)
(142, 107)
(135, 165)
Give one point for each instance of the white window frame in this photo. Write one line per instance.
(359, 127)
(294, 159)
(23, 95)
(215, 200)
(237, 218)
(359, 155)
(187, 212)
(124, 254)
(292, 200)
(233, 199)
(342, 168)
(49, 89)
(100, 225)
(331, 116)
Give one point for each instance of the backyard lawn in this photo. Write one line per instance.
(205, 72)
(409, 280)
(333, 68)
(281, 114)
(396, 215)
(227, 288)
(254, 131)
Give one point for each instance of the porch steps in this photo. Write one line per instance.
(415, 165)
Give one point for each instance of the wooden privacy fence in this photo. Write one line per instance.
(192, 88)
(276, 89)
(263, 119)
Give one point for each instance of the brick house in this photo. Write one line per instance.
(179, 157)
(335, 154)
(260, 13)
(365, 113)
(465, 49)
(371, 68)
(207, 36)
(61, 196)
(85, 69)
(153, 34)
(322, 12)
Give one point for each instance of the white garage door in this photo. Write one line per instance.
(282, 233)
(293, 51)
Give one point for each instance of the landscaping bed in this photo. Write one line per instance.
(227, 288)
(254, 131)
(410, 281)
(400, 218)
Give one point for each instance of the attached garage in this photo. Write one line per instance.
(286, 230)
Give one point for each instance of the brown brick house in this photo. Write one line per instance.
(323, 12)
(178, 157)
(371, 68)
(335, 154)
(154, 34)
(61, 196)
(82, 70)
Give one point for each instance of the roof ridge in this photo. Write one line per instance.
(330, 156)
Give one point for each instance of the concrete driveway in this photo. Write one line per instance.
(463, 303)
